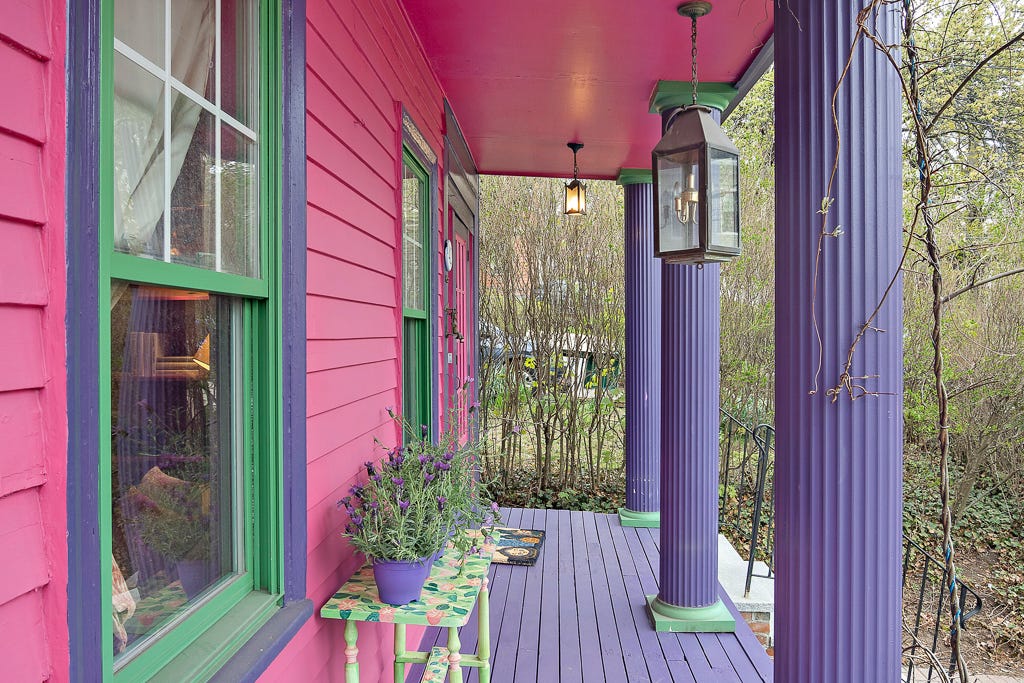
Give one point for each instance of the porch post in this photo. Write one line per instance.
(643, 354)
(688, 599)
(838, 470)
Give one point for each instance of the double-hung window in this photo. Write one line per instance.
(189, 364)
(416, 273)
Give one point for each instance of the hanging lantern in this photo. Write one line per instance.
(576, 191)
(696, 180)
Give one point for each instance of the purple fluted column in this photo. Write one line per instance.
(838, 469)
(643, 356)
(690, 324)
(689, 435)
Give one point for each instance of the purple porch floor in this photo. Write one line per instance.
(579, 614)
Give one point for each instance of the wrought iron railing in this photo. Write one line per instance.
(747, 517)
(926, 612)
(746, 503)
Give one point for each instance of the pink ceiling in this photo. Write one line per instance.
(528, 76)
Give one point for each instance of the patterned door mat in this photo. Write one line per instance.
(518, 546)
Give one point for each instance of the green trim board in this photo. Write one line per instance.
(417, 346)
(644, 520)
(670, 94)
(635, 176)
(192, 645)
(667, 618)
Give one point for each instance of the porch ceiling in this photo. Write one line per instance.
(524, 78)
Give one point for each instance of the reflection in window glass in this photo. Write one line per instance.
(412, 239)
(173, 459)
(193, 198)
(678, 195)
(192, 48)
(725, 215)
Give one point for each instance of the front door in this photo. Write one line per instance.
(462, 302)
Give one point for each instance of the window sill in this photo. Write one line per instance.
(258, 619)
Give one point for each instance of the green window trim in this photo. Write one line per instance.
(417, 398)
(195, 645)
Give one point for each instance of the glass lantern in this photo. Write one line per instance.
(696, 190)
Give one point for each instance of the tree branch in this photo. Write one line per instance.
(975, 285)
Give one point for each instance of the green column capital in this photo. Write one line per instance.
(634, 176)
(670, 94)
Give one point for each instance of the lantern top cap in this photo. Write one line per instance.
(693, 126)
(694, 9)
(575, 146)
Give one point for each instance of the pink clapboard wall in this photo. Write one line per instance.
(363, 61)
(33, 419)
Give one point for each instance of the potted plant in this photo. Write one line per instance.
(420, 497)
(174, 520)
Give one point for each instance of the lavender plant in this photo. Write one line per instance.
(420, 496)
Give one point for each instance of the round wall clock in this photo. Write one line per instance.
(448, 257)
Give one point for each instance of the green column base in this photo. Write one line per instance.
(715, 618)
(646, 520)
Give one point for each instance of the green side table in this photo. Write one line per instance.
(451, 591)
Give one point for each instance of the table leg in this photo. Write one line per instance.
(454, 670)
(399, 652)
(351, 652)
(483, 648)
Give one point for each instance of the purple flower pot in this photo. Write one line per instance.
(194, 576)
(400, 582)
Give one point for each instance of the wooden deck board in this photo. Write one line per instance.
(579, 614)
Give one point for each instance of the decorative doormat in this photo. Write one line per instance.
(518, 546)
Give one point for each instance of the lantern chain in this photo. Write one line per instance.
(693, 56)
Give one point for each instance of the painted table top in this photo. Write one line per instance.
(448, 595)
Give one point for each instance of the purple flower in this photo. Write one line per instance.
(428, 477)
(356, 491)
(376, 477)
(373, 505)
(369, 468)
(441, 500)
(391, 410)
(443, 466)
(423, 459)
(398, 481)
(424, 430)
(515, 429)
(494, 506)
(448, 456)
(403, 506)
(358, 521)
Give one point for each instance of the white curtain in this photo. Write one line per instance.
(139, 122)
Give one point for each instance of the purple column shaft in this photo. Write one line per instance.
(838, 472)
(643, 353)
(689, 435)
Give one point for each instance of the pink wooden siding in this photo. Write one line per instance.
(33, 423)
(362, 59)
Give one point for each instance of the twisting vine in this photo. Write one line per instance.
(935, 263)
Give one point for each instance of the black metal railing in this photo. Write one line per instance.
(746, 511)
(926, 612)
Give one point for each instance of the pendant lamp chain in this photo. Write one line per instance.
(693, 57)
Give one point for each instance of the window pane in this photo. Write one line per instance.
(192, 56)
(173, 459)
(678, 183)
(723, 188)
(239, 179)
(139, 24)
(138, 160)
(238, 62)
(412, 239)
(193, 199)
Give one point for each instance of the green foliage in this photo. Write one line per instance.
(416, 499)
